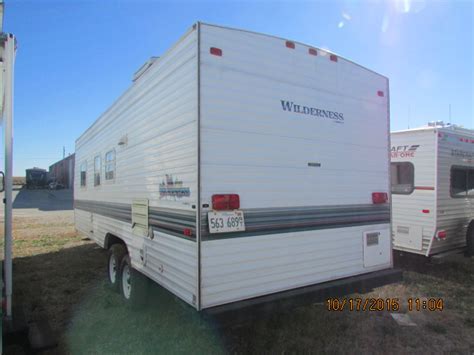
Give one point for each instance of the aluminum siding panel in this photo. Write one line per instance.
(407, 209)
(242, 113)
(252, 147)
(240, 268)
(83, 222)
(158, 117)
(454, 214)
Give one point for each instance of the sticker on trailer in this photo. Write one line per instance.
(172, 188)
(461, 153)
(404, 151)
(226, 221)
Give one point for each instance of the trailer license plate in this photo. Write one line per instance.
(226, 221)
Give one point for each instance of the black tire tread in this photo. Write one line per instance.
(140, 284)
(118, 251)
(470, 239)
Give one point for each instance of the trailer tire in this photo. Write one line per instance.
(114, 259)
(470, 239)
(133, 284)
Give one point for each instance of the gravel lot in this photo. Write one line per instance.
(60, 277)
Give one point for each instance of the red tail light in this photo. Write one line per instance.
(226, 202)
(290, 44)
(333, 57)
(379, 197)
(312, 51)
(441, 235)
(187, 232)
(216, 51)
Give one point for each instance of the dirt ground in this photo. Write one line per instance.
(60, 277)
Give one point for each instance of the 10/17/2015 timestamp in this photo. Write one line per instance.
(383, 304)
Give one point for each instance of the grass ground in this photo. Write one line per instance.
(61, 277)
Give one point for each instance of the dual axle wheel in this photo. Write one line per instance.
(123, 278)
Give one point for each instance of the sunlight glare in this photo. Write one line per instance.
(385, 22)
(402, 6)
(406, 5)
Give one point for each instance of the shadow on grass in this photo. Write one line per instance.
(68, 289)
(459, 271)
(103, 324)
(44, 200)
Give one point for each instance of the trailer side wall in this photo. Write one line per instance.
(152, 130)
(455, 150)
(414, 212)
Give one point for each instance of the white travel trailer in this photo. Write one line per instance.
(433, 189)
(239, 165)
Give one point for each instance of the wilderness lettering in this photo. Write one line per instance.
(313, 111)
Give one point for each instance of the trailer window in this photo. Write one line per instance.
(110, 165)
(84, 174)
(470, 183)
(403, 178)
(97, 167)
(462, 182)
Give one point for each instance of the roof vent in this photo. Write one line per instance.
(144, 68)
(436, 124)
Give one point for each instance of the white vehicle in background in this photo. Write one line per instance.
(433, 189)
(240, 165)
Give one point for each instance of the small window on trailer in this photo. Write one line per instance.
(84, 174)
(403, 178)
(97, 167)
(110, 165)
(462, 182)
(470, 183)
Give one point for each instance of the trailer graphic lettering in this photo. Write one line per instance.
(404, 151)
(312, 111)
(173, 188)
(461, 153)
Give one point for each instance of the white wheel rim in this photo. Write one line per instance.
(112, 269)
(126, 287)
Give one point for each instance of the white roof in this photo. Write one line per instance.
(442, 128)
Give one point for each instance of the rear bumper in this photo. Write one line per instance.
(241, 310)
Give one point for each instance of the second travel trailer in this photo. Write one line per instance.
(433, 189)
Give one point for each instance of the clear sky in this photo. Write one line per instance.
(75, 58)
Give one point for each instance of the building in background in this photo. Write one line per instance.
(63, 172)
